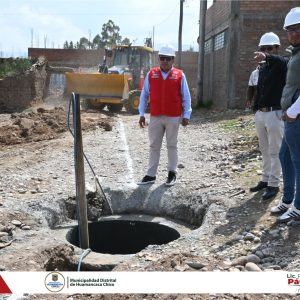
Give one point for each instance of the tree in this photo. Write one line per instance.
(126, 41)
(96, 44)
(191, 49)
(68, 45)
(84, 43)
(109, 37)
(110, 34)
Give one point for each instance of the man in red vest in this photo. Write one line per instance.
(170, 102)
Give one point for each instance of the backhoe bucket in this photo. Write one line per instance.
(106, 87)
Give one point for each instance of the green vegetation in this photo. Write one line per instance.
(110, 35)
(242, 125)
(10, 67)
(230, 124)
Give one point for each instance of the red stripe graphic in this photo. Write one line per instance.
(4, 289)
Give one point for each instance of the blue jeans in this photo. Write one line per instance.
(289, 156)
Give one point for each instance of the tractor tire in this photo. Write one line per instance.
(115, 107)
(90, 103)
(132, 105)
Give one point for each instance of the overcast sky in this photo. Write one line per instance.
(38, 22)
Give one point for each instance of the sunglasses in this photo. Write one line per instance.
(167, 58)
(293, 30)
(268, 48)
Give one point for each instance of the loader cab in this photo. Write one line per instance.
(131, 60)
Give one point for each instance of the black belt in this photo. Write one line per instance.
(271, 108)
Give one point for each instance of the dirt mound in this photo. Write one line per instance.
(45, 124)
(61, 258)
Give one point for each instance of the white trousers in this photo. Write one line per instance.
(269, 128)
(158, 126)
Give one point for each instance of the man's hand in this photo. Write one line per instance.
(285, 117)
(185, 122)
(259, 56)
(142, 122)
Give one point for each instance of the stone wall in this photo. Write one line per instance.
(21, 91)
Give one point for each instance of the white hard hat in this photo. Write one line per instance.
(292, 18)
(269, 38)
(167, 50)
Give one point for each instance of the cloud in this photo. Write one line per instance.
(22, 26)
(25, 23)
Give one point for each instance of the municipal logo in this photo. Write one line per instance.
(54, 282)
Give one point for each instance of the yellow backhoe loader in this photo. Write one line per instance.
(118, 85)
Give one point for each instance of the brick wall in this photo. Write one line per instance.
(189, 66)
(69, 57)
(217, 17)
(215, 77)
(257, 18)
(20, 92)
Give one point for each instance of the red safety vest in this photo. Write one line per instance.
(165, 95)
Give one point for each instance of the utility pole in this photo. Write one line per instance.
(80, 180)
(153, 37)
(201, 42)
(90, 33)
(45, 41)
(31, 31)
(180, 33)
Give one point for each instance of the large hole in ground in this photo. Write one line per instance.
(124, 236)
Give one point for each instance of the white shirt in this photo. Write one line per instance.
(253, 78)
(294, 110)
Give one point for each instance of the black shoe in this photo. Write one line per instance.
(261, 185)
(147, 180)
(171, 178)
(270, 192)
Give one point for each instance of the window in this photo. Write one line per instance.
(219, 41)
(208, 46)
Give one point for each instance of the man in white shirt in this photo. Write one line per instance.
(170, 104)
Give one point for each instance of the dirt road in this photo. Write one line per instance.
(218, 162)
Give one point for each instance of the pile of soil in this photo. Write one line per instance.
(45, 124)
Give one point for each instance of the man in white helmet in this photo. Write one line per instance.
(268, 123)
(170, 101)
(289, 206)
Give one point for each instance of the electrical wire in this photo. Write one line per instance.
(82, 256)
(88, 162)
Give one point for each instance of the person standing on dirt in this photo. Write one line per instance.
(290, 149)
(268, 123)
(170, 102)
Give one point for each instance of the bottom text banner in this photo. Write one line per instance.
(149, 282)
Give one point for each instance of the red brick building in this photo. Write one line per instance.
(233, 30)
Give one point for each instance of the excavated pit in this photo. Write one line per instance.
(115, 239)
(124, 236)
